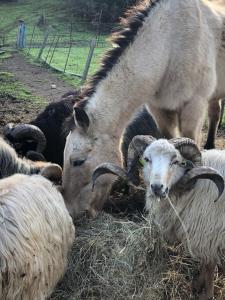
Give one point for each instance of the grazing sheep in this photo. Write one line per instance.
(151, 62)
(36, 235)
(11, 164)
(184, 208)
(43, 138)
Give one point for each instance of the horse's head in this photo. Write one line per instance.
(85, 149)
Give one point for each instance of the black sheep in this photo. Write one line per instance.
(43, 138)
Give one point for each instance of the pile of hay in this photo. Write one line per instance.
(118, 259)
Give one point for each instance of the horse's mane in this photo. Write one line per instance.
(121, 39)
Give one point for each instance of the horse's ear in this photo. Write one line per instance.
(81, 118)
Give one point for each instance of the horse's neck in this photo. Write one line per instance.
(116, 98)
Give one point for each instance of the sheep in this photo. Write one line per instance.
(186, 209)
(10, 164)
(43, 138)
(37, 233)
(151, 62)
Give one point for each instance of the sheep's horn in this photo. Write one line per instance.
(135, 151)
(188, 149)
(107, 168)
(21, 131)
(204, 173)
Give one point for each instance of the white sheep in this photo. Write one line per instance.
(184, 208)
(36, 234)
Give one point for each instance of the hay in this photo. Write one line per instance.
(116, 258)
(112, 259)
(121, 258)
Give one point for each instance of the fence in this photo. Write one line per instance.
(74, 49)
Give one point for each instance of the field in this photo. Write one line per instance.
(69, 38)
(117, 256)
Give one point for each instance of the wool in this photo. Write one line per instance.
(36, 235)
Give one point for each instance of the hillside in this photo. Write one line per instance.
(55, 12)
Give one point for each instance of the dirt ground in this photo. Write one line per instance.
(38, 80)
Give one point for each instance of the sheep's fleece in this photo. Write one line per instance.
(36, 233)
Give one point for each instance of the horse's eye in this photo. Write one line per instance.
(79, 162)
(147, 159)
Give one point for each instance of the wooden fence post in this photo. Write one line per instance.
(89, 58)
(44, 42)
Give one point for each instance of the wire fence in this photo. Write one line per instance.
(74, 49)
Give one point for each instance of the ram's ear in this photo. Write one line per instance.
(81, 118)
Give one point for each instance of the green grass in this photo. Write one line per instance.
(29, 10)
(76, 61)
(13, 89)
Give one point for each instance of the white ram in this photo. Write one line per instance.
(183, 207)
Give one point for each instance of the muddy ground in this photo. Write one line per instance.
(41, 82)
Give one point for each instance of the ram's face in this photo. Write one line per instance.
(162, 167)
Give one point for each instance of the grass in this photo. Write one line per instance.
(30, 10)
(77, 58)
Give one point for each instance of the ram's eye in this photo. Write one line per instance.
(79, 162)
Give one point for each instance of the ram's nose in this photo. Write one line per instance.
(159, 190)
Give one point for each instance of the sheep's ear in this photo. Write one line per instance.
(81, 118)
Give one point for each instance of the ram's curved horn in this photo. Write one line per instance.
(108, 168)
(135, 151)
(22, 131)
(203, 173)
(188, 149)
